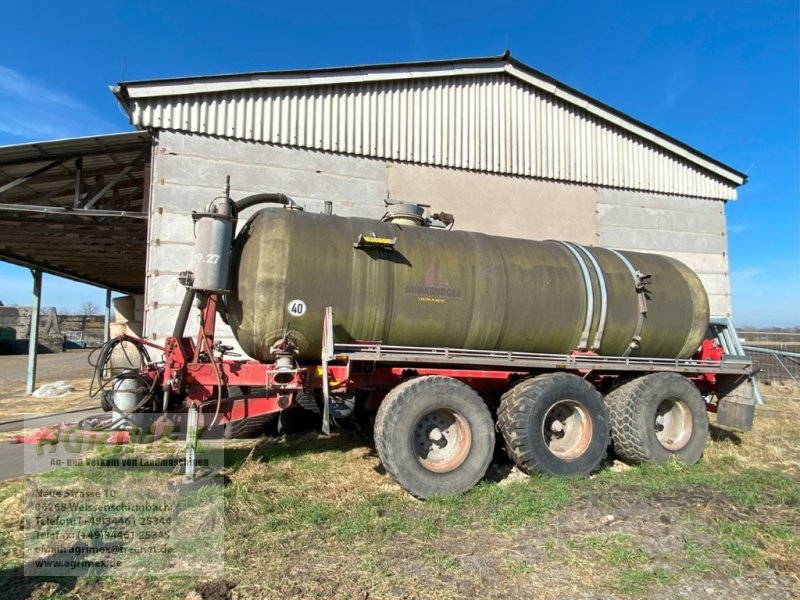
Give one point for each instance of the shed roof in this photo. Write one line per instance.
(484, 114)
(76, 208)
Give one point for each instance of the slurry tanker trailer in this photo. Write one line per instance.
(450, 342)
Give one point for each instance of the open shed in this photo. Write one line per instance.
(507, 149)
(77, 208)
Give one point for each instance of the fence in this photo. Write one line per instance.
(778, 354)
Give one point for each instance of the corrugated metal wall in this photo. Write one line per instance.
(489, 122)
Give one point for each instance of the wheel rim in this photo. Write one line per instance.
(567, 429)
(673, 424)
(442, 440)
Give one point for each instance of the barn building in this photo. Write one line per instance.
(506, 149)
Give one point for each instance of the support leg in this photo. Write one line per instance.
(34, 333)
(107, 324)
(191, 443)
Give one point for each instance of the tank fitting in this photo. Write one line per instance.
(284, 351)
(213, 230)
(403, 213)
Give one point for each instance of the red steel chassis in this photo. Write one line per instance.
(191, 377)
(194, 376)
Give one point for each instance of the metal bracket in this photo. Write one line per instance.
(191, 443)
(327, 356)
(587, 283)
(639, 282)
(371, 240)
(598, 336)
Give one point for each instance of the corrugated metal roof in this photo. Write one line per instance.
(79, 146)
(494, 115)
(39, 226)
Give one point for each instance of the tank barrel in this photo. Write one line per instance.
(420, 286)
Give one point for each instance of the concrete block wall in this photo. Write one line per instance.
(691, 230)
(91, 326)
(128, 316)
(15, 327)
(189, 170)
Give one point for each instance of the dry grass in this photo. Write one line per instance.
(72, 367)
(309, 516)
(17, 405)
(774, 442)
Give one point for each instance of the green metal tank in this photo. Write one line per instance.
(454, 289)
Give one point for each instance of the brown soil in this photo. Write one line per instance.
(71, 367)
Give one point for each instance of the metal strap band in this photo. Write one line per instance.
(587, 282)
(642, 305)
(598, 337)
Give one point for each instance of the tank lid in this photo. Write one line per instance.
(405, 213)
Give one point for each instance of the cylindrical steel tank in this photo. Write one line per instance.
(454, 289)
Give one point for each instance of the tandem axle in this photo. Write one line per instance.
(436, 410)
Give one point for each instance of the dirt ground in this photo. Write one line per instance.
(72, 367)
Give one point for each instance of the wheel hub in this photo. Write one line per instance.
(673, 424)
(442, 440)
(567, 429)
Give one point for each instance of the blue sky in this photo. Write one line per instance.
(721, 76)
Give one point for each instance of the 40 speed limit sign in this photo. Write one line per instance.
(296, 308)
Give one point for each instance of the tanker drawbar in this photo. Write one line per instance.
(404, 283)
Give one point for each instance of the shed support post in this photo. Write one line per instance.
(34, 332)
(107, 325)
(78, 174)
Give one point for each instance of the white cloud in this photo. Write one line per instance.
(14, 84)
(738, 228)
(30, 110)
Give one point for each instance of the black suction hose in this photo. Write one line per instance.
(183, 314)
(266, 198)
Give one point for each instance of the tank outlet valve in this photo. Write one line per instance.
(284, 351)
(284, 373)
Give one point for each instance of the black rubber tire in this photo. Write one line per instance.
(297, 419)
(632, 410)
(525, 409)
(399, 417)
(362, 420)
(247, 428)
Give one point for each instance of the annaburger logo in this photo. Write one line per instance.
(434, 286)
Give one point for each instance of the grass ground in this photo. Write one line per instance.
(310, 516)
